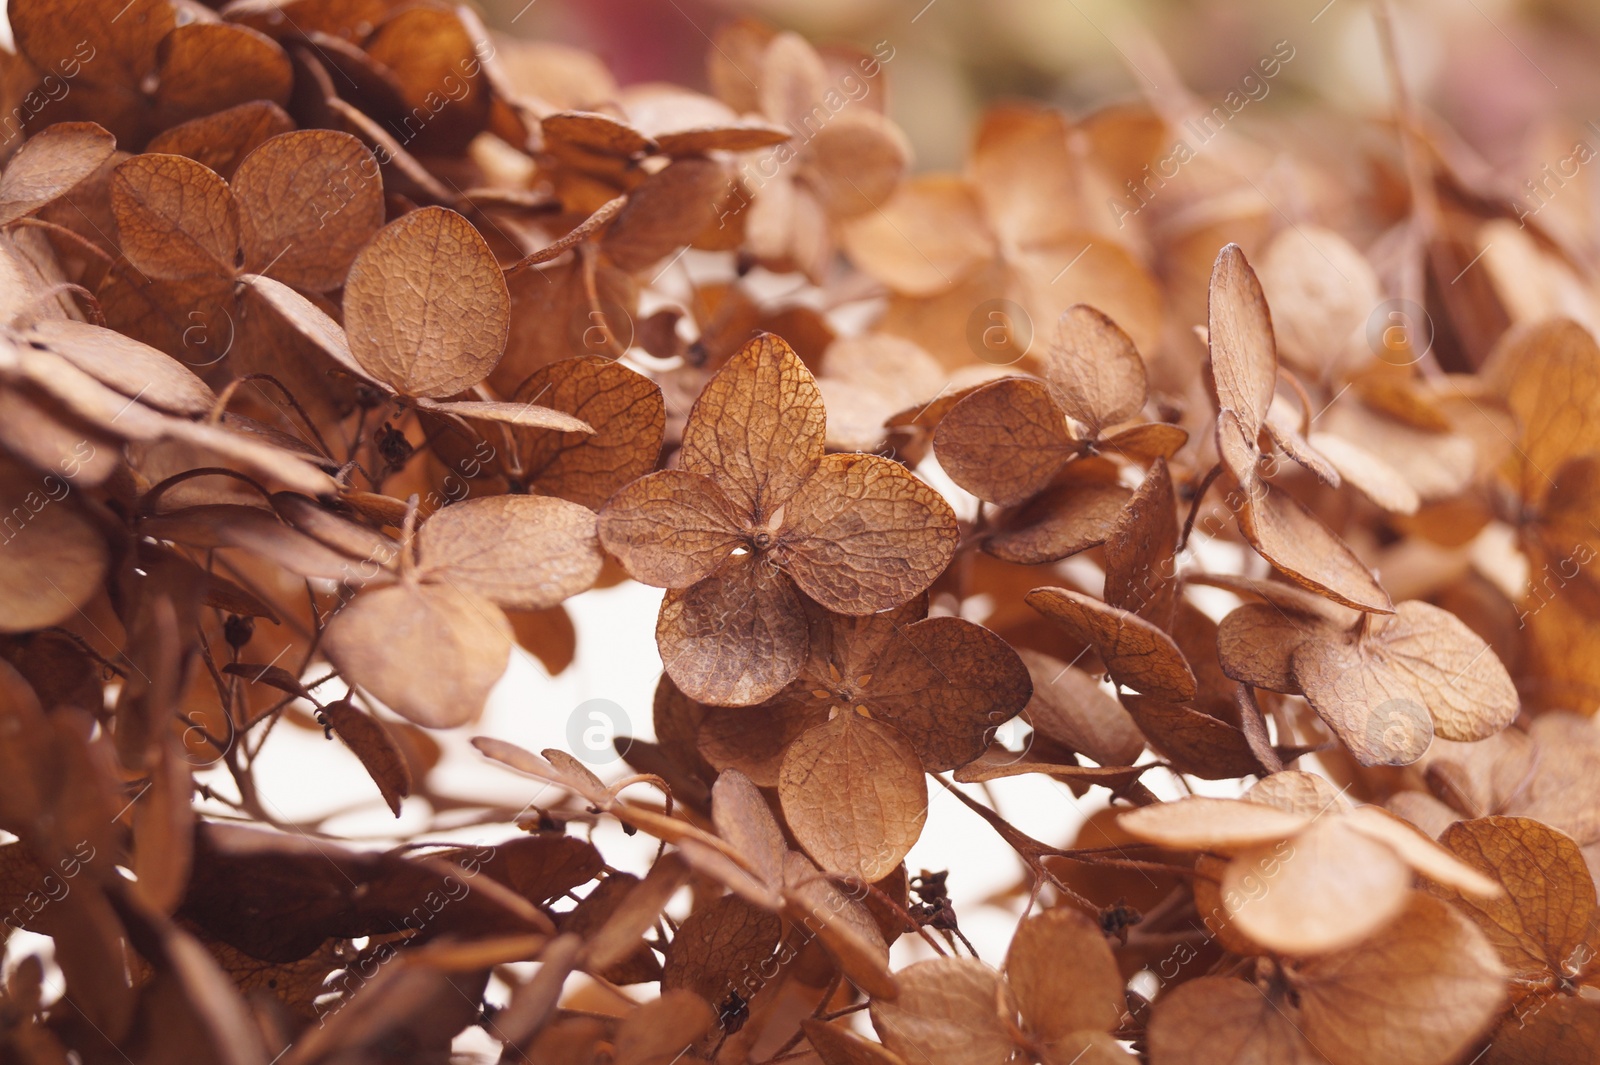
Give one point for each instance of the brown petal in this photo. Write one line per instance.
(1135, 652)
(1095, 370)
(845, 927)
(522, 415)
(1194, 742)
(425, 305)
(1420, 994)
(1295, 541)
(627, 413)
(864, 534)
(428, 652)
(177, 219)
(1201, 823)
(1058, 997)
(55, 558)
(1298, 792)
(1147, 442)
(1221, 1021)
(371, 743)
(120, 362)
(670, 529)
(1070, 708)
(1464, 684)
(1004, 442)
(754, 739)
(1564, 1031)
(1421, 853)
(1141, 566)
(857, 160)
(222, 140)
(1386, 692)
(837, 1045)
(49, 164)
(1322, 291)
(124, 48)
(308, 202)
(666, 212)
(1256, 644)
(430, 53)
(998, 763)
(745, 822)
(948, 1011)
(662, 1029)
(1549, 374)
(736, 637)
(718, 948)
(1369, 474)
(1244, 358)
(946, 685)
(547, 635)
(794, 79)
(521, 552)
(1327, 888)
(263, 535)
(854, 796)
(758, 428)
(1541, 923)
(209, 66)
(1075, 513)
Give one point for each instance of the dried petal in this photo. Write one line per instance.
(520, 552)
(736, 637)
(948, 1011)
(177, 219)
(865, 535)
(758, 428)
(1004, 442)
(425, 305)
(49, 164)
(428, 652)
(1094, 370)
(1135, 652)
(308, 202)
(670, 529)
(1056, 997)
(1295, 541)
(854, 795)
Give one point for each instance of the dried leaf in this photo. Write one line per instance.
(177, 219)
(1094, 370)
(948, 1011)
(425, 305)
(1135, 652)
(1004, 442)
(371, 743)
(1054, 1000)
(427, 651)
(854, 795)
(519, 552)
(50, 164)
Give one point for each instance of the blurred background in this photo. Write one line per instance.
(1504, 73)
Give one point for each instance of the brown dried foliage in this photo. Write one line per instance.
(320, 393)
